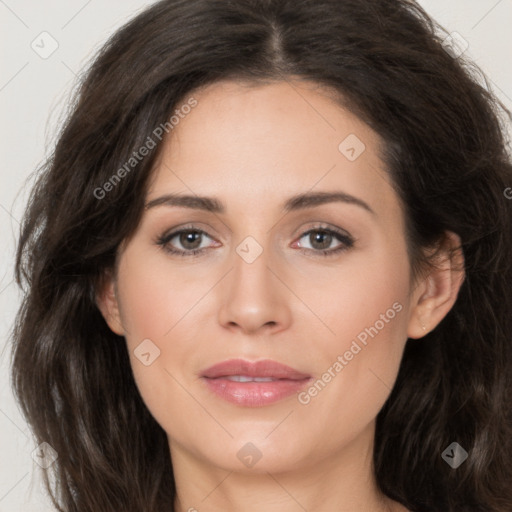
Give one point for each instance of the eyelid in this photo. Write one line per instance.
(188, 227)
(322, 226)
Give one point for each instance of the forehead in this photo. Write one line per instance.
(255, 142)
(241, 115)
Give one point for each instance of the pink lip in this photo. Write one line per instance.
(254, 394)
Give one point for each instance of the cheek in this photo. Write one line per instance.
(368, 291)
(155, 296)
(364, 311)
(157, 304)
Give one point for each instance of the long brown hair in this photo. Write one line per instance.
(446, 153)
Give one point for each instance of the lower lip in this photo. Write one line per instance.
(255, 394)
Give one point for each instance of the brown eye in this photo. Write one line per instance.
(184, 242)
(190, 239)
(320, 241)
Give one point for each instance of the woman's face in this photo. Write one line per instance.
(302, 262)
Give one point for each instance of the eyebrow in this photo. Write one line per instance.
(294, 203)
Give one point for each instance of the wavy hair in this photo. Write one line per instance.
(445, 149)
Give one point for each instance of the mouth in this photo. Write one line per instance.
(254, 384)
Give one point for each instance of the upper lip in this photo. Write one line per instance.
(263, 368)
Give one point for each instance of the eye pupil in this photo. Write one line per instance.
(322, 237)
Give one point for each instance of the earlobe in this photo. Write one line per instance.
(107, 302)
(439, 289)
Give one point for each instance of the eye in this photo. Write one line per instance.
(184, 242)
(321, 239)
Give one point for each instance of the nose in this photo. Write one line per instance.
(254, 298)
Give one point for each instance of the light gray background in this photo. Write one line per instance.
(33, 94)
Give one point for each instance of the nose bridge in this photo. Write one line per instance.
(252, 297)
(251, 275)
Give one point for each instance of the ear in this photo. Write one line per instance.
(106, 300)
(436, 293)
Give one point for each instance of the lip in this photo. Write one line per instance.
(288, 381)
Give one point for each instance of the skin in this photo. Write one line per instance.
(252, 147)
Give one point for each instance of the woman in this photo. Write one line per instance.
(336, 337)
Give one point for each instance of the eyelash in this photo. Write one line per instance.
(346, 241)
